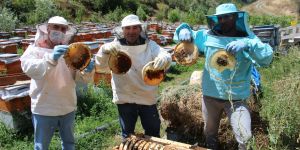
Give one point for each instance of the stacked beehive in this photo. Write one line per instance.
(162, 34)
(14, 84)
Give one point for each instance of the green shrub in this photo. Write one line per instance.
(283, 21)
(151, 3)
(194, 17)
(280, 105)
(180, 4)
(21, 8)
(95, 101)
(96, 17)
(117, 15)
(148, 10)
(141, 13)
(130, 5)
(44, 9)
(95, 109)
(7, 20)
(162, 12)
(80, 12)
(174, 15)
(5, 135)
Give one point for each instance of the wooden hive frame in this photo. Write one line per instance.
(153, 143)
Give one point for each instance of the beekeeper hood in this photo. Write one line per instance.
(42, 34)
(229, 8)
(130, 20)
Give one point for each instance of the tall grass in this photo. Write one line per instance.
(281, 102)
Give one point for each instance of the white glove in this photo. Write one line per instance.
(185, 35)
(160, 63)
(110, 48)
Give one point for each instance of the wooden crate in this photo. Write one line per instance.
(107, 34)
(154, 27)
(10, 79)
(8, 48)
(102, 76)
(25, 45)
(83, 37)
(11, 68)
(94, 46)
(168, 33)
(32, 32)
(20, 32)
(26, 42)
(98, 34)
(15, 105)
(4, 35)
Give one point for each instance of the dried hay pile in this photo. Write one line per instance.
(181, 108)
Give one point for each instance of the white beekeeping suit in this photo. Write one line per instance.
(52, 88)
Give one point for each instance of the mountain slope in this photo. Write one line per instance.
(274, 7)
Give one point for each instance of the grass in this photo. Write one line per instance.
(178, 74)
(94, 110)
(281, 102)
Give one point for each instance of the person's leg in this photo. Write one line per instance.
(150, 119)
(66, 131)
(44, 128)
(240, 121)
(211, 112)
(128, 115)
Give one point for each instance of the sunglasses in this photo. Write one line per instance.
(226, 17)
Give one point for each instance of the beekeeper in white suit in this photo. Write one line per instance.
(133, 97)
(52, 88)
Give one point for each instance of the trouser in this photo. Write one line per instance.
(45, 126)
(238, 115)
(128, 114)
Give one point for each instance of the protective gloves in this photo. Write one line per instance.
(160, 63)
(236, 46)
(110, 48)
(185, 35)
(90, 66)
(58, 51)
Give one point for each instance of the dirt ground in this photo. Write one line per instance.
(274, 7)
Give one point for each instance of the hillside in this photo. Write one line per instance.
(274, 7)
(32, 12)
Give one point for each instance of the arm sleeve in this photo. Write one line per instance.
(261, 53)
(101, 60)
(198, 37)
(34, 66)
(158, 51)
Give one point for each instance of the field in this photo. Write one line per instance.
(280, 108)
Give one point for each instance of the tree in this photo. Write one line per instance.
(141, 13)
(174, 15)
(7, 20)
(44, 9)
(162, 12)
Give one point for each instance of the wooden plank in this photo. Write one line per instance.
(10, 48)
(174, 143)
(13, 78)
